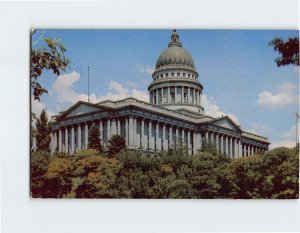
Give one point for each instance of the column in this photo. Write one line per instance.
(189, 142)
(52, 142)
(156, 96)
(182, 136)
(55, 139)
(240, 148)
(177, 135)
(66, 140)
(182, 94)
(249, 153)
(206, 137)
(165, 140)
(72, 140)
(189, 95)
(170, 136)
(78, 137)
(108, 129)
(230, 148)
(157, 137)
(212, 138)
(151, 145)
(194, 96)
(252, 150)
(126, 131)
(195, 143)
(143, 141)
(134, 132)
(226, 145)
(169, 94)
(130, 133)
(101, 131)
(86, 135)
(119, 126)
(200, 100)
(199, 141)
(236, 148)
(222, 144)
(113, 127)
(59, 140)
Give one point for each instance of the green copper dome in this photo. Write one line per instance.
(175, 54)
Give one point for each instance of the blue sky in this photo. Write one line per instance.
(236, 68)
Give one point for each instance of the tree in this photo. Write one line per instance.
(94, 139)
(43, 132)
(244, 178)
(50, 58)
(116, 144)
(288, 50)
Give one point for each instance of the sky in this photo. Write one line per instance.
(236, 68)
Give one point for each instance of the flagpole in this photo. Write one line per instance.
(88, 84)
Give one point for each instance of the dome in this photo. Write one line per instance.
(175, 54)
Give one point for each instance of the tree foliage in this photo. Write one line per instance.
(129, 174)
(50, 58)
(43, 132)
(116, 144)
(288, 51)
(94, 139)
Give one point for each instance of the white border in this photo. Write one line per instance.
(22, 214)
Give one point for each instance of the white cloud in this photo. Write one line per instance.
(287, 94)
(146, 69)
(117, 92)
(37, 107)
(63, 92)
(212, 109)
(287, 139)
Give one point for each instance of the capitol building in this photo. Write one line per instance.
(174, 114)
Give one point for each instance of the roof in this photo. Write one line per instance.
(175, 54)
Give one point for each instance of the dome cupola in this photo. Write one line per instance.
(175, 79)
(175, 55)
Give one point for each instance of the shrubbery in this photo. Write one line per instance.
(172, 175)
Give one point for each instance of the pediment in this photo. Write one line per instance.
(226, 123)
(79, 109)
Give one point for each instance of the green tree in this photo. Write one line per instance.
(43, 132)
(99, 175)
(288, 51)
(244, 178)
(50, 58)
(281, 169)
(94, 139)
(116, 144)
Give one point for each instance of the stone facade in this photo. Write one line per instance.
(174, 114)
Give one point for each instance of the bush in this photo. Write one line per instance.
(99, 175)
(86, 152)
(58, 180)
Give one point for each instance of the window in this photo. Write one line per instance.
(172, 94)
(183, 74)
(161, 76)
(167, 75)
(172, 74)
(178, 74)
(189, 75)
